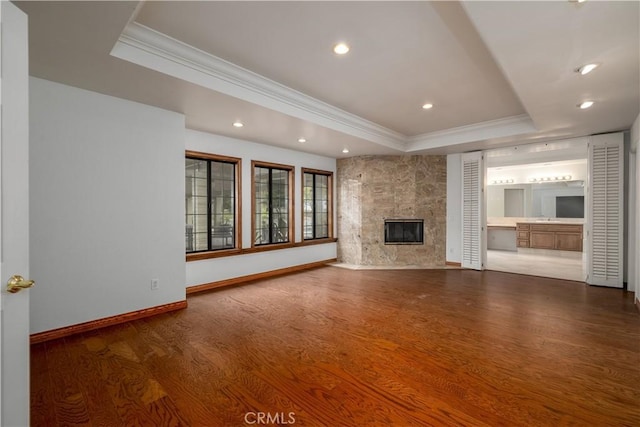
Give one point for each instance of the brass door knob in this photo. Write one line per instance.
(17, 282)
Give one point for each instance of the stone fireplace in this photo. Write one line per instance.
(373, 191)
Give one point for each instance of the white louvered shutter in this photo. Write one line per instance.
(472, 205)
(605, 210)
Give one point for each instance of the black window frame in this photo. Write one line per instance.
(329, 176)
(235, 235)
(290, 205)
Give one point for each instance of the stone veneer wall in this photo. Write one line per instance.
(374, 188)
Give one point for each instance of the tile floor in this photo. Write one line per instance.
(565, 265)
(390, 267)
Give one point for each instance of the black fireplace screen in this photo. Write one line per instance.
(404, 232)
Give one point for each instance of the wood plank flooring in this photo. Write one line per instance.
(338, 347)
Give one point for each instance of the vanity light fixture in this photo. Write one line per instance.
(586, 69)
(585, 104)
(237, 124)
(502, 181)
(341, 48)
(551, 178)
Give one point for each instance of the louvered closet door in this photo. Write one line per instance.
(472, 208)
(605, 210)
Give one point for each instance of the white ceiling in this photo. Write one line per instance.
(498, 73)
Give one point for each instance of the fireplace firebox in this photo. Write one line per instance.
(404, 232)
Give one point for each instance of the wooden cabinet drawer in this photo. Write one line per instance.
(523, 235)
(523, 243)
(557, 228)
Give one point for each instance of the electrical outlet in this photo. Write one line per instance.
(155, 284)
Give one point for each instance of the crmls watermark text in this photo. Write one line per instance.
(269, 418)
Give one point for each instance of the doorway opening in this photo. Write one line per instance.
(535, 219)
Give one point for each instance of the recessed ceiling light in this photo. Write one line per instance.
(341, 48)
(302, 140)
(427, 106)
(237, 124)
(345, 150)
(585, 105)
(586, 69)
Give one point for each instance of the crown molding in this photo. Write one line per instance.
(500, 128)
(151, 49)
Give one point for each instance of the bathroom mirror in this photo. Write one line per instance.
(563, 199)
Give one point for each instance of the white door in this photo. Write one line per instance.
(473, 227)
(14, 215)
(606, 197)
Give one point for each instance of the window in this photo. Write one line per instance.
(272, 203)
(211, 202)
(316, 204)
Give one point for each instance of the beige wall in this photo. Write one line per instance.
(371, 189)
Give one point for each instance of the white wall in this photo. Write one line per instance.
(454, 208)
(630, 252)
(634, 202)
(629, 226)
(216, 269)
(495, 199)
(634, 215)
(107, 205)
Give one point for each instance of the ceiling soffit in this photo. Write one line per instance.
(151, 49)
(70, 43)
(403, 54)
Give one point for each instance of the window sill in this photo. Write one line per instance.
(311, 242)
(269, 247)
(265, 248)
(213, 254)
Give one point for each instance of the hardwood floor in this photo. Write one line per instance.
(339, 347)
